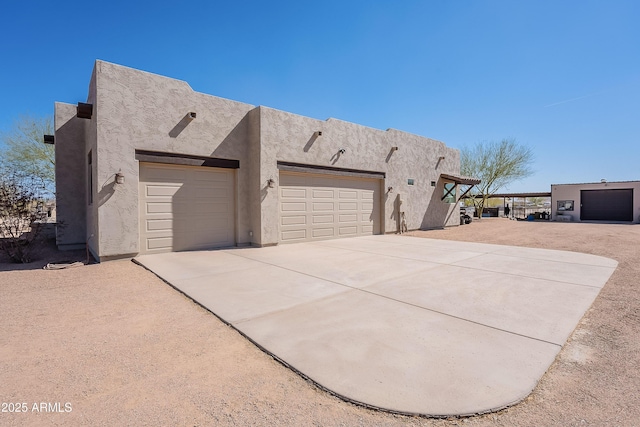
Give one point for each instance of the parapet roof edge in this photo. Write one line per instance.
(387, 131)
(600, 182)
(100, 61)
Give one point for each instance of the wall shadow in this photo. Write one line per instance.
(389, 155)
(334, 159)
(437, 214)
(107, 190)
(238, 145)
(182, 124)
(395, 212)
(309, 143)
(71, 180)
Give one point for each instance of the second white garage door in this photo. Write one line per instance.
(317, 207)
(185, 208)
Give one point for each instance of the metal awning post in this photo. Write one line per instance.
(465, 193)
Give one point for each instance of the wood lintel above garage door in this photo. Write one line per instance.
(185, 159)
(328, 170)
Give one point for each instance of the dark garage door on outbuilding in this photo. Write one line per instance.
(606, 205)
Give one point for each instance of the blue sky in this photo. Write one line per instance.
(560, 76)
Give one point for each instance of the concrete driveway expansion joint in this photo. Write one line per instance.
(403, 324)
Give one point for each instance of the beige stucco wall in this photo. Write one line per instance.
(71, 187)
(139, 110)
(136, 110)
(290, 138)
(256, 192)
(572, 192)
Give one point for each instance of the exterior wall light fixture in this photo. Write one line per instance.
(394, 148)
(390, 189)
(191, 115)
(341, 151)
(120, 177)
(318, 133)
(441, 158)
(271, 183)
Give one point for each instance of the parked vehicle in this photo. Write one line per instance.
(464, 218)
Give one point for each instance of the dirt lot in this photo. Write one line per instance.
(117, 346)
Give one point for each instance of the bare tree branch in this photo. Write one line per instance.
(22, 150)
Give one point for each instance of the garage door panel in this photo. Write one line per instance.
(323, 206)
(342, 194)
(332, 206)
(158, 224)
(294, 207)
(323, 219)
(323, 232)
(293, 220)
(365, 217)
(158, 207)
(367, 229)
(294, 235)
(205, 209)
(209, 175)
(212, 224)
(293, 193)
(162, 190)
(227, 186)
(199, 240)
(157, 173)
(348, 231)
(352, 217)
(159, 243)
(202, 193)
(348, 206)
(185, 208)
(322, 194)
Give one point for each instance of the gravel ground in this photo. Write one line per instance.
(120, 347)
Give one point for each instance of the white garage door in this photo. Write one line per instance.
(317, 207)
(185, 208)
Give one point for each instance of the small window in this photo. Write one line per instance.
(433, 183)
(449, 192)
(565, 205)
(410, 181)
(90, 178)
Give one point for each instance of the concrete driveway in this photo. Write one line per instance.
(404, 324)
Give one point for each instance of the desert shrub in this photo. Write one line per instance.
(23, 216)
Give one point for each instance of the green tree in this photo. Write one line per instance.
(496, 164)
(23, 152)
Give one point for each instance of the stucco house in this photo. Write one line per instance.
(149, 165)
(597, 201)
